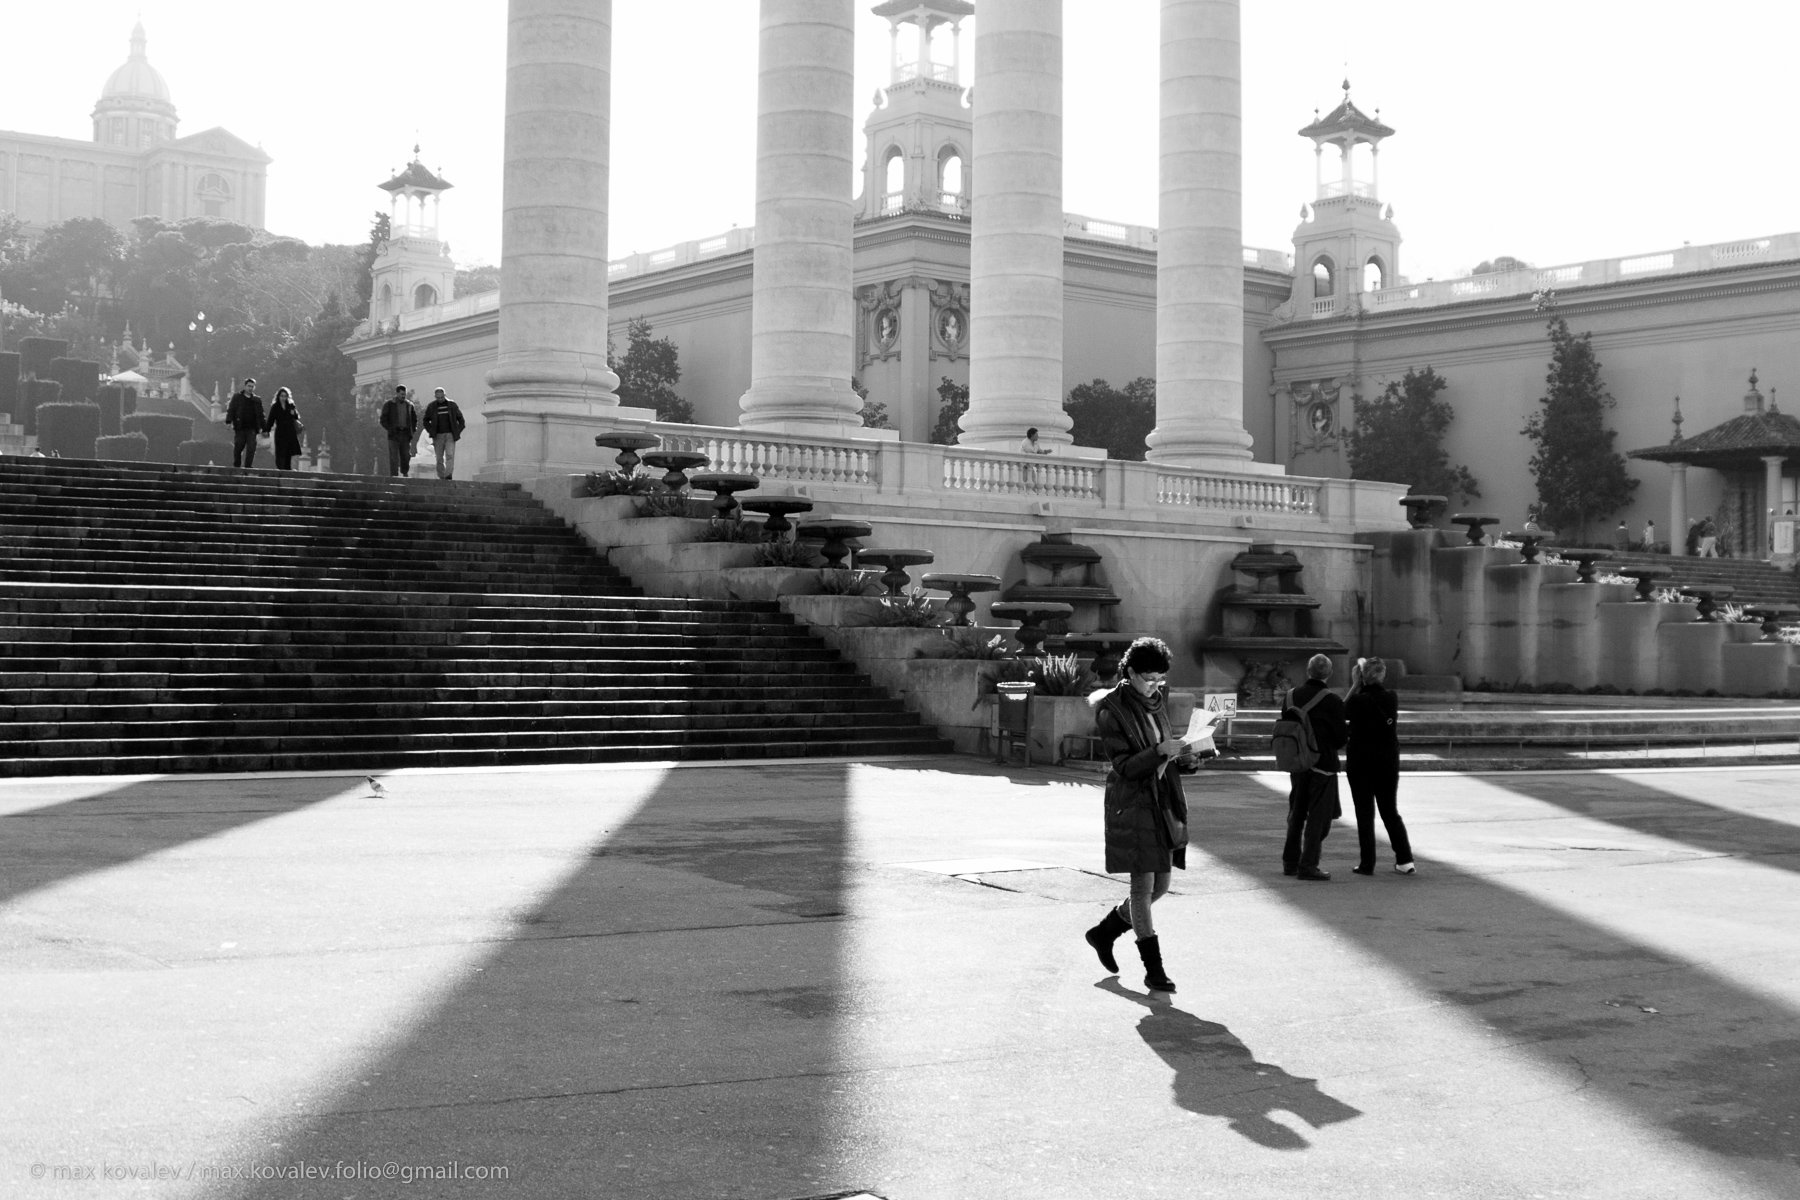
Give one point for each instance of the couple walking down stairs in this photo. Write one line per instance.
(156, 618)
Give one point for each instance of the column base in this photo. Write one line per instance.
(804, 409)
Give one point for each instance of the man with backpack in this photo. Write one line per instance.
(1310, 732)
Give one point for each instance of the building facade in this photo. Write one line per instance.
(136, 165)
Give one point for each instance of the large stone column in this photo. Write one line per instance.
(1016, 228)
(1678, 518)
(1772, 466)
(1200, 245)
(551, 383)
(802, 319)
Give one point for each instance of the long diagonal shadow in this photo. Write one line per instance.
(41, 847)
(1634, 804)
(1216, 1075)
(1676, 1044)
(662, 1024)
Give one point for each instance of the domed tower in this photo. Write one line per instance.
(1346, 244)
(135, 110)
(919, 136)
(413, 268)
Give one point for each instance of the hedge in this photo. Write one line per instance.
(37, 392)
(10, 392)
(38, 352)
(111, 399)
(201, 454)
(68, 430)
(122, 447)
(80, 379)
(166, 432)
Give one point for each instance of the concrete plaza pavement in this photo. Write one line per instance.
(807, 979)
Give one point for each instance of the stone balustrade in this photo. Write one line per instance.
(962, 477)
(1527, 280)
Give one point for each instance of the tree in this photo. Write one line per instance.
(874, 413)
(323, 381)
(1117, 420)
(73, 265)
(1580, 477)
(380, 226)
(1399, 438)
(953, 400)
(474, 280)
(1505, 262)
(648, 372)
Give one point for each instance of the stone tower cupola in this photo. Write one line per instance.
(919, 137)
(135, 109)
(413, 268)
(1346, 243)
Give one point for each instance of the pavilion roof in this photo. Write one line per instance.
(416, 176)
(1739, 442)
(1347, 118)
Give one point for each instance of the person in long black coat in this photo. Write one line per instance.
(284, 421)
(1146, 809)
(1373, 764)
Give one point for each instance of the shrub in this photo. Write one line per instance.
(732, 531)
(664, 503)
(1061, 675)
(845, 581)
(80, 378)
(38, 392)
(166, 432)
(37, 353)
(10, 391)
(912, 609)
(617, 483)
(965, 642)
(68, 430)
(788, 554)
(202, 454)
(122, 447)
(111, 400)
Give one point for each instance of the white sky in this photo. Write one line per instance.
(1553, 130)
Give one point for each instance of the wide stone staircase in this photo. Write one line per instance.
(1751, 580)
(156, 618)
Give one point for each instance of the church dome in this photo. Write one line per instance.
(137, 79)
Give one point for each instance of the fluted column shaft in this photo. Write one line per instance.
(1016, 228)
(552, 351)
(803, 313)
(1200, 244)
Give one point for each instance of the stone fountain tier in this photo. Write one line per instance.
(1059, 571)
(1264, 659)
(1269, 567)
(1261, 608)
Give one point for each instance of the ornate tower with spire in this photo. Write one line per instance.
(920, 134)
(413, 268)
(1346, 243)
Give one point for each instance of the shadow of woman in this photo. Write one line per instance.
(1216, 1075)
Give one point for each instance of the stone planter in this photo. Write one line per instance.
(834, 610)
(770, 583)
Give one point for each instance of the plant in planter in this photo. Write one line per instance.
(660, 502)
(912, 609)
(788, 554)
(1060, 675)
(970, 646)
(618, 483)
(732, 531)
(843, 581)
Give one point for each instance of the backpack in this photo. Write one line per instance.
(1296, 749)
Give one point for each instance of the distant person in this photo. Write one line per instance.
(1622, 536)
(245, 416)
(284, 421)
(1030, 443)
(1709, 538)
(443, 420)
(1372, 764)
(1691, 544)
(1146, 810)
(1649, 536)
(401, 420)
(1313, 794)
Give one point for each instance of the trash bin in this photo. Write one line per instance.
(1012, 719)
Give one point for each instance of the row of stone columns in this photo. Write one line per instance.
(553, 317)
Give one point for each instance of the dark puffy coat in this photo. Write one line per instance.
(1139, 804)
(1373, 716)
(284, 421)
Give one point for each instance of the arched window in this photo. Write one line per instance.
(424, 296)
(215, 194)
(1323, 282)
(950, 178)
(387, 301)
(893, 187)
(1374, 274)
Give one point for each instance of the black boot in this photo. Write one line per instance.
(1154, 977)
(1102, 936)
